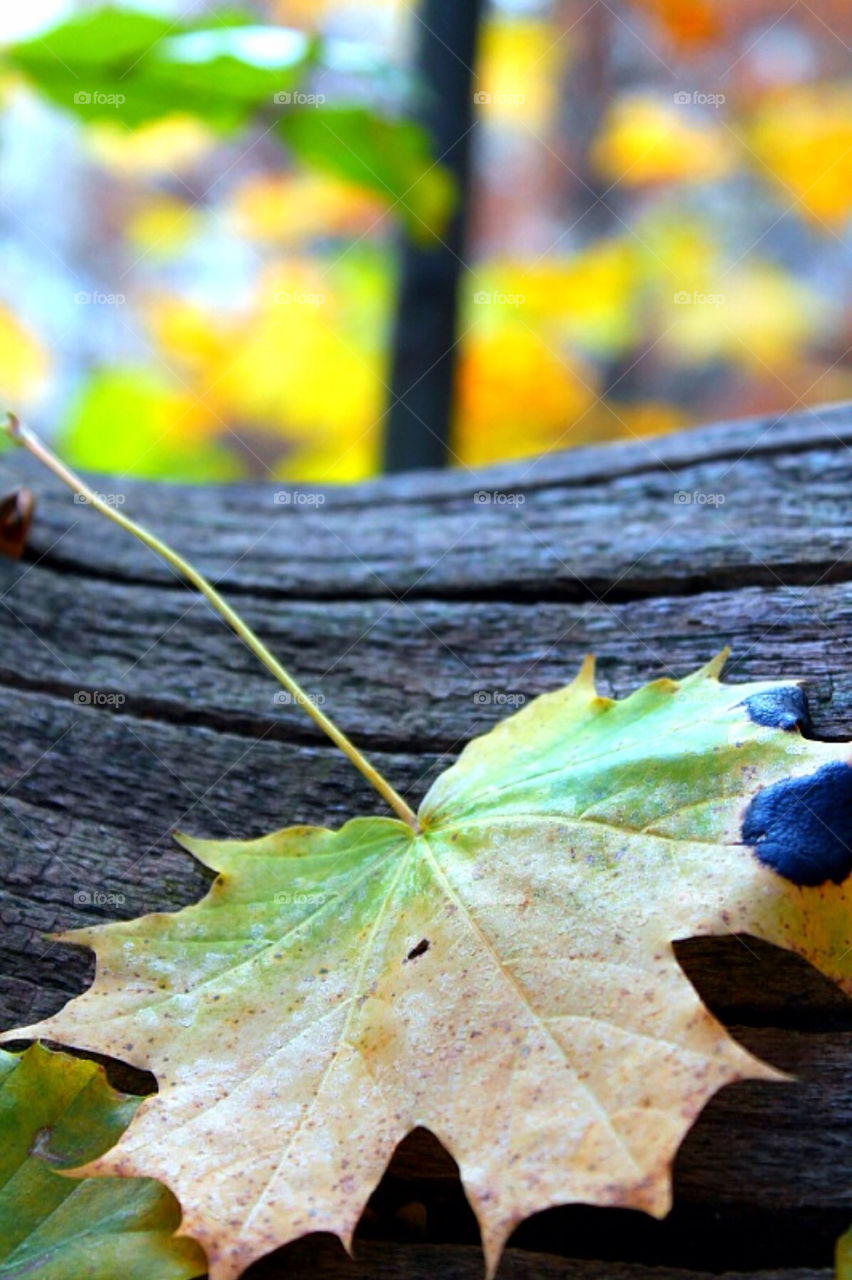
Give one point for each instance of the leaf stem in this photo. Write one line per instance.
(21, 435)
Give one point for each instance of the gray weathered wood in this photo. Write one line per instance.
(453, 1262)
(400, 600)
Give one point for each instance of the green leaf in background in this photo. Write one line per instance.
(89, 55)
(131, 422)
(392, 157)
(120, 65)
(57, 1112)
(100, 38)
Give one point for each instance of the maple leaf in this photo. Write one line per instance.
(54, 1112)
(504, 977)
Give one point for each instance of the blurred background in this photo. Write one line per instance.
(232, 239)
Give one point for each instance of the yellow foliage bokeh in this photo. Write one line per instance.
(24, 361)
(804, 140)
(644, 139)
(289, 208)
(161, 147)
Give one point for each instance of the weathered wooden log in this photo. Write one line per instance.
(128, 710)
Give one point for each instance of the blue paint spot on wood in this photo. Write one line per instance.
(783, 708)
(802, 828)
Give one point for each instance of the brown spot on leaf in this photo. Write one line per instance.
(419, 950)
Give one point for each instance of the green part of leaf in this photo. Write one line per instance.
(504, 977)
(107, 37)
(393, 158)
(58, 1112)
(118, 65)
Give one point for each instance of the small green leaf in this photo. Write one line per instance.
(108, 37)
(57, 1112)
(119, 65)
(392, 157)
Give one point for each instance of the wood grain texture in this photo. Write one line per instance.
(320, 1256)
(421, 615)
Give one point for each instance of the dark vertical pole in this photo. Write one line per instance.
(423, 362)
